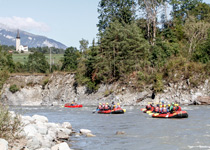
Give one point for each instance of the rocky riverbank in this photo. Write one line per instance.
(39, 134)
(58, 89)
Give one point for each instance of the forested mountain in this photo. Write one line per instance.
(8, 37)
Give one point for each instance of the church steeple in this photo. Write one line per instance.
(18, 34)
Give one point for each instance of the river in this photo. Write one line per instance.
(141, 131)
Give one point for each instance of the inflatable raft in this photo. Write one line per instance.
(114, 111)
(69, 105)
(145, 110)
(177, 114)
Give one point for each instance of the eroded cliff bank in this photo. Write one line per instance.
(57, 89)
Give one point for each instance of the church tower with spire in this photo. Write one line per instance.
(20, 48)
(18, 40)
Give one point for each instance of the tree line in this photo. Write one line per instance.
(149, 41)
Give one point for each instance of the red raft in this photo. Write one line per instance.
(177, 114)
(72, 106)
(114, 111)
(146, 111)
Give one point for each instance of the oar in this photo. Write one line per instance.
(95, 110)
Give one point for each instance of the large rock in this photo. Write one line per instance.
(204, 100)
(3, 144)
(30, 130)
(84, 131)
(39, 118)
(61, 146)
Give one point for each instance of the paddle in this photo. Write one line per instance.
(95, 110)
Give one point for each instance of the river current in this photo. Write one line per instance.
(142, 132)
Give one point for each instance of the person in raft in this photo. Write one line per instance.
(164, 110)
(157, 109)
(177, 107)
(148, 107)
(172, 108)
(118, 105)
(72, 103)
(107, 107)
(112, 105)
(100, 106)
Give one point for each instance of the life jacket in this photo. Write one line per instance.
(106, 107)
(118, 106)
(152, 108)
(148, 107)
(157, 109)
(174, 108)
(100, 107)
(164, 110)
(178, 108)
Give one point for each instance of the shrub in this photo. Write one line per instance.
(10, 125)
(45, 81)
(13, 88)
(158, 85)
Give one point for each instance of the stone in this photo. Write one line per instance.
(84, 131)
(90, 135)
(203, 100)
(3, 144)
(61, 146)
(62, 136)
(120, 132)
(30, 130)
(67, 125)
(34, 143)
(38, 118)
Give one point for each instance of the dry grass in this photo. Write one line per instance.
(10, 126)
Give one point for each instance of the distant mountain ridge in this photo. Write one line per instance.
(8, 37)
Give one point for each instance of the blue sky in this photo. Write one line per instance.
(66, 21)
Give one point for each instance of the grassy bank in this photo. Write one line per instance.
(22, 58)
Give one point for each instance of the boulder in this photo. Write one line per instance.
(84, 131)
(30, 130)
(61, 146)
(62, 136)
(67, 125)
(204, 100)
(34, 143)
(90, 135)
(39, 118)
(3, 144)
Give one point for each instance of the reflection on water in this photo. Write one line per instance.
(141, 131)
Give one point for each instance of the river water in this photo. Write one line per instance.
(141, 131)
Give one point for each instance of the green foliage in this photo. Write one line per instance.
(112, 10)
(10, 127)
(70, 61)
(4, 75)
(45, 81)
(37, 63)
(202, 53)
(13, 88)
(123, 49)
(158, 83)
(83, 45)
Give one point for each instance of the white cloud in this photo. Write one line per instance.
(24, 24)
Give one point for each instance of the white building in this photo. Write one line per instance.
(19, 47)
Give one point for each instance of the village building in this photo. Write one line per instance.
(19, 47)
